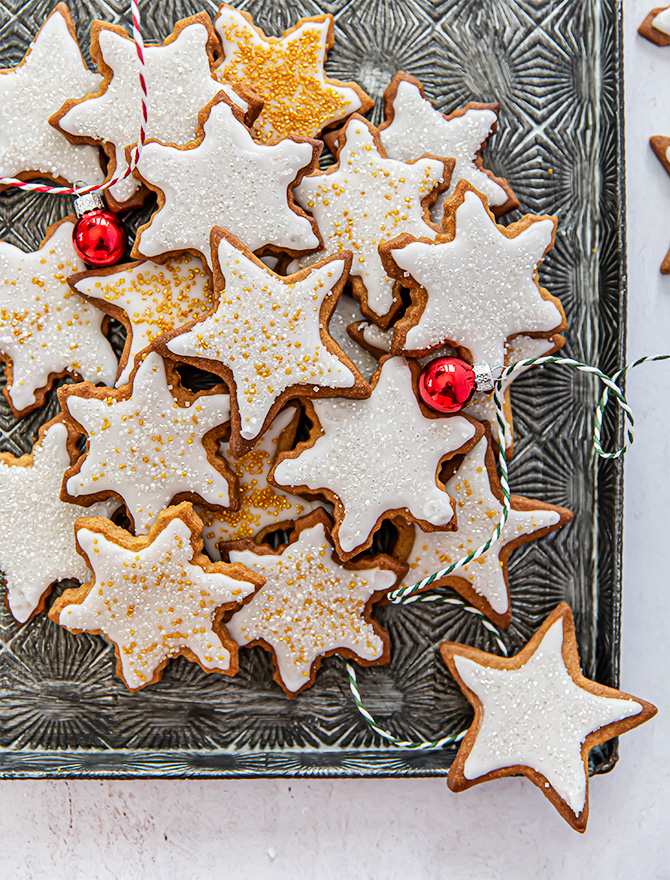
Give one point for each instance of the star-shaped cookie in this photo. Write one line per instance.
(365, 200)
(414, 128)
(475, 488)
(46, 329)
(536, 714)
(287, 73)
(148, 444)
(656, 26)
(155, 597)
(378, 457)
(148, 299)
(52, 71)
(312, 605)
(37, 546)
(268, 337)
(477, 304)
(224, 178)
(661, 146)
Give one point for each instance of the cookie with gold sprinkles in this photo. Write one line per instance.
(155, 597)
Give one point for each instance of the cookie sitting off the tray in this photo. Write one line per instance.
(155, 597)
(536, 714)
(656, 26)
(661, 146)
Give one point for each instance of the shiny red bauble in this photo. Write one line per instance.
(99, 238)
(447, 384)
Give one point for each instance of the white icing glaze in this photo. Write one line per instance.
(309, 605)
(662, 21)
(479, 303)
(179, 84)
(45, 327)
(287, 73)
(268, 332)
(52, 71)
(153, 602)
(536, 716)
(347, 311)
(147, 448)
(155, 297)
(364, 201)
(37, 546)
(377, 338)
(477, 514)
(227, 180)
(379, 454)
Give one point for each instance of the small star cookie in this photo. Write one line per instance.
(46, 329)
(537, 715)
(312, 605)
(148, 444)
(378, 457)
(656, 26)
(661, 146)
(287, 73)
(155, 597)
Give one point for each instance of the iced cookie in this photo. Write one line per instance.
(661, 146)
(46, 329)
(312, 605)
(537, 715)
(155, 597)
(656, 26)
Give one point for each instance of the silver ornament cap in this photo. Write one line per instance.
(88, 202)
(483, 377)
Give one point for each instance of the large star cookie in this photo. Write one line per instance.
(179, 84)
(365, 200)
(661, 146)
(475, 488)
(148, 299)
(414, 128)
(287, 73)
(378, 457)
(149, 443)
(224, 178)
(536, 714)
(268, 337)
(155, 597)
(37, 546)
(51, 72)
(656, 26)
(474, 303)
(313, 606)
(46, 329)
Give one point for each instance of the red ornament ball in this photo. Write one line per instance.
(447, 384)
(99, 238)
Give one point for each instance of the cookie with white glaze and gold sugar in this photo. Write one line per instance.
(656, 26)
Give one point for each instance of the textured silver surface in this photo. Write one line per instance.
(555, 69)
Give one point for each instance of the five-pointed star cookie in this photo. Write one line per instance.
(661, 146)
(155, 597)
(367, 199)
(378, 457)
(313, 606)
(656, 26)
(52, 71)
(536, 714)
(179, 84)
(149, 443)
(287, 73)
(224, 178)
(414, 128)
(474, 304)
(46, 329)
(37, 546)
(475, 488)
(268, 337)
(148, 299)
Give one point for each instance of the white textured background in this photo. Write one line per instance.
(387, 829)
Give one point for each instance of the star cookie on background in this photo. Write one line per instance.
(52, 71)
(378, 457)
(537, 715)
(46, 329)
(287, 73)
(365, 200)
(661, 146)
(656, 26)
(148, 444)
(155, 597)
(312, 605)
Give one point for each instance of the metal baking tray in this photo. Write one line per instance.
(556, 69)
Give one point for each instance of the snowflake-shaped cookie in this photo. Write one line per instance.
(656, 26)
(312, 605)
(149, 443)
(155, 597)
(46, 329)
(661, 146)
